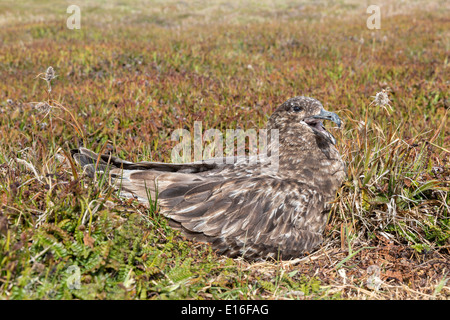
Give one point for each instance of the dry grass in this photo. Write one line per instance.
(138, 70)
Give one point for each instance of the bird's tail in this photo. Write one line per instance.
(92, 162)
(137, 179)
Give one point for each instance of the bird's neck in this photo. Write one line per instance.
(312, 160)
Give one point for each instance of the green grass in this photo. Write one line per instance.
(138, 70)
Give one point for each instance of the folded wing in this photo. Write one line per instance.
(256, 217)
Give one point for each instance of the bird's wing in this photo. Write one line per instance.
(254, 217)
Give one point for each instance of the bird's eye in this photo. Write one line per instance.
(297, 109)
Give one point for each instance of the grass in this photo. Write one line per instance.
(138, 70)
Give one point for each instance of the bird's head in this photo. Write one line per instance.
(304, 114)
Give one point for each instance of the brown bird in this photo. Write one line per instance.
(246, 208)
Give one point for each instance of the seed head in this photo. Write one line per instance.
(48, 77)
(382, 99)
(42, 107)
(50, 74)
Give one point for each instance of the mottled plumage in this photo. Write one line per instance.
(248, 209)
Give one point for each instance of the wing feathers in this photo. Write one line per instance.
(239, 216)
(214, 209)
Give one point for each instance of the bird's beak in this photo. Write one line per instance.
(327, 115)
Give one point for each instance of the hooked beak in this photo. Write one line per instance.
(317, 126)
(327, 115)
